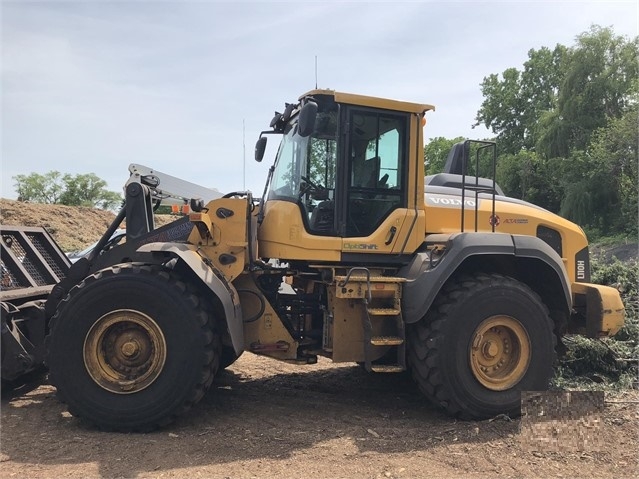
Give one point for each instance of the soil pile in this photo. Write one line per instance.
(72, 227)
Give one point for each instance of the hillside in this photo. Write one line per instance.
(72, 227)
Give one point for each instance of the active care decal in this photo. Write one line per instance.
(448, 201)
(496, 221)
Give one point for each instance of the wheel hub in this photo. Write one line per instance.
(124, 351)
(500, 352)
(130, 349)
(490, 349)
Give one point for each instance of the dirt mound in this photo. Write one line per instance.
(622, 252)
(72, 227)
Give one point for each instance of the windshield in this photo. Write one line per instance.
(289, 165)
(305, 164)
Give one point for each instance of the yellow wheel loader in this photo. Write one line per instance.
(351, 254)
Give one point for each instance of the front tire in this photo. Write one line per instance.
(132, 347)
(228, 356)
(486, 338)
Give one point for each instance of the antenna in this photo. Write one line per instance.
(243, 156)
(316, 72)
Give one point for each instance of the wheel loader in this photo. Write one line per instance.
(350, 254)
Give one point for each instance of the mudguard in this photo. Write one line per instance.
(426, 276)
(213, 279)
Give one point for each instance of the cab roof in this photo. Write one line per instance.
(370, 101)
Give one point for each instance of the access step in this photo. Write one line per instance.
(383, 311)
(386, 341)
(386, 368)
(373, 279)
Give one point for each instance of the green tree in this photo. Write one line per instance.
(601, 182)
(599, 82)
(585, 188)
(527, 176)
(38, 188)
(562, 95)
(88, 190)
(514, 102)
(566, 126)
(73, 190)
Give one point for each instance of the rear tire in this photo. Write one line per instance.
(486, 338)
(131, 348)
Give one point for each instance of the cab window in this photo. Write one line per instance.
(377, 162)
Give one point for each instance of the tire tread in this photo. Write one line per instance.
(425, 341)
(210, 356)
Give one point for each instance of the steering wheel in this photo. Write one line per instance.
(310, 186)
(308, 181)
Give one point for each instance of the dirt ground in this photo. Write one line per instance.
(265, 419)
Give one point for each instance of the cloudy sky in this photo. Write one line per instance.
(185, 87)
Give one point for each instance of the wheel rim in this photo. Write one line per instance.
(500, 352)
(124, 351)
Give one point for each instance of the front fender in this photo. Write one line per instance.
(204, 269)
(426, 277)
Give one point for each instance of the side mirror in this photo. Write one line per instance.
(306, 122)
(260, 147)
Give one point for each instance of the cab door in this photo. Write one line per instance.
(374, 178)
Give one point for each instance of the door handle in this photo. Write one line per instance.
(391, 235)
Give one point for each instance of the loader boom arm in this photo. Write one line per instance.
(169, 189)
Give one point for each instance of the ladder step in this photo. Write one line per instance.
(387, 368)
(374, 279)
(386, 341)
(383, 311)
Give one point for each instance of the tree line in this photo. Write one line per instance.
(566, 128)
(72, 190)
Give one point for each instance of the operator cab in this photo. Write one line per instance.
(348, 172)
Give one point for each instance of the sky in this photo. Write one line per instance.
(186, 87)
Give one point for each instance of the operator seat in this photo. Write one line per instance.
(322, 217)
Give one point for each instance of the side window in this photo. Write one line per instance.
(388, 146)
(318, 198)
(281, 182)
(376, 186)
(317, 194)
(323, 158)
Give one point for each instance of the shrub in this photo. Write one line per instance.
(609, 362)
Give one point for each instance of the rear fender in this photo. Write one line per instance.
(213, 279)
